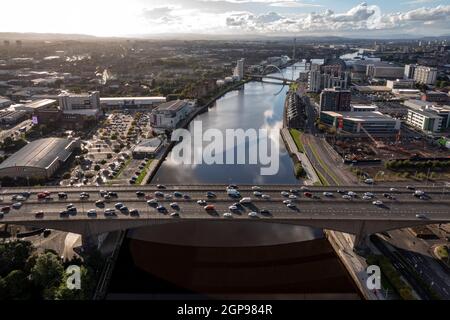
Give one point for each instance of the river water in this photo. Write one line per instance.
(258, 105)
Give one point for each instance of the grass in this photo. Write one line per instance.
(126, 163)
(296, 135)
(143, 173)
(441, 252)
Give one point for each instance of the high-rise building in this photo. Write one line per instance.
(314, 81)
(409, 71)
(239, 70)
(425, 75)
(335, 99)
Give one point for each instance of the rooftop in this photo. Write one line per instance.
(40, 153)
(40, 103)
(360, 116)
(172, 105)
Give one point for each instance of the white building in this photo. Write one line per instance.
(239, 69)
(167, 115)
(80, 104)
(314, 81)
(425, 75)
(424, 120)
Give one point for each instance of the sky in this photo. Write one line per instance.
(382, 18)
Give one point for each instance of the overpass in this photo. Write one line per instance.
(357, 216)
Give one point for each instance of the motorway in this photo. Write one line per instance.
(405, 206)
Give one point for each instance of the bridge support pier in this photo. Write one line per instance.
(89, 242)
(360, 244)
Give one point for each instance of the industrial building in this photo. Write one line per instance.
(167, 115)
(335, 100)
(131, 103)
(36, 105)
(4, 103)
(358, 122)
(39, 159)
(12, 117)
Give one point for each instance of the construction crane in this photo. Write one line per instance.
(378, 144)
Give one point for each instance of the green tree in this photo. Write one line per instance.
(47, 271)
(18, 286)
(14, 255)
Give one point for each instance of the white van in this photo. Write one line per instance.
(246, 200)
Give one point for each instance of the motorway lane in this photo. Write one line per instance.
(332, 210)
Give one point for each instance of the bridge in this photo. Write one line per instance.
(265, 75)
(357, 216)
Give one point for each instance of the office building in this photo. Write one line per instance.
(424, 120)
(425, 75)
(435, 96)
(314, 81)
(167, 115)
(384, 71)
(335, 100)
(39, 159)
(373, 122)
(400, 84)
(239, 69)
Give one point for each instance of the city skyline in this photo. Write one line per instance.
(380, 18)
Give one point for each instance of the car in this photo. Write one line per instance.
(265, 196)
(72, 210)
(161, 208)
(304, 188)
(284, 193)
(99, 203)
(352, 194)
(392, 189)
(175, 215)
(233, 193)
(210, 194)
(201, 202)
(237, 204)
(113, 194)
(140, 193)
(177, 194)
(264, 211)
(227, 215)
(418, 193)
(103, 192)
(328, 194)
(257, 193)
(232, 186)
(5, 209)
(42, 195)
(410, 188)
(70, 205)
(39, 215)
(84, 194)
(17, 205)
(232, 208)
(253, 214)
(368, 181)
(160, 186)
(124, 209)
(110, 212)
(25, 194)
(92, 213)
(292, 196)
(377, 202)
(186, 196)
(294, 191)
(421, 216)
(174, 205)
(64, 214)
(245, 200)
(290, 205)
(307, 194)
(347, 197)
(391, 197)
(159, 194)
(209, 207)
(341, 191)
(83, 197)
(366, 198)
(18, 197)
(107, 197)
(134, 213)
(62, 195)
(118, 205)
(286, 201)
(167, 196)
(386, 195)
(256, 188)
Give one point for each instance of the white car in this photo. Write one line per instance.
(168, 196)
(346, 196)
(265, 196)
(351, 194)
(174, 205)
(152, 201)
(17, 205)
(290, 205)
(366, 198)
(419, 193)
(233, 208)
(421, 216)
(287, 201)
(245, 200)
(368, 181)
(304, 188)
(328, 194)
(253, 214)
(284, 193)
(392, 189)
(256, 188)
(201, 202)
(174, 214)
(377, 202)
(257, 193)
(227, 215)
(292, 196)
(369, 194)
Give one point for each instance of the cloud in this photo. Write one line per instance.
(156, 13)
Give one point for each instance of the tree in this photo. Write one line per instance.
(14, 255)
(48, 271)
(17, 285)
(96, 167)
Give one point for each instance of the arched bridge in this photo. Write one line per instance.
(357, 216)
(265, 75)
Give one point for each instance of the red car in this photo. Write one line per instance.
(6, 209)
(307, 194)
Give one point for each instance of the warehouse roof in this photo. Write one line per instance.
(40, 153)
